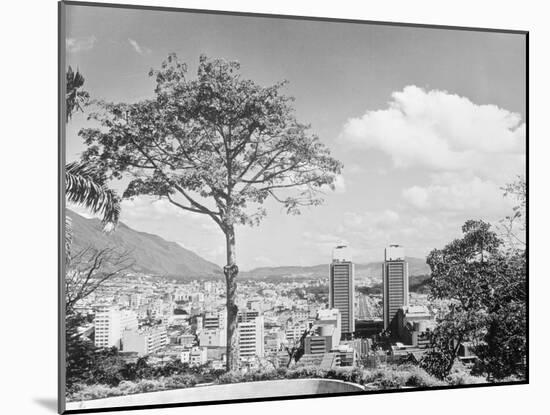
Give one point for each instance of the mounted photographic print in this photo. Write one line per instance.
(258, 207)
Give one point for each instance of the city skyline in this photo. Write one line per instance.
(377, 116)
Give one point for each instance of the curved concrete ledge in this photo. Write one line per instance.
(262, 389)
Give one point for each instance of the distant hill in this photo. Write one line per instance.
(370, 271)
(150, 253)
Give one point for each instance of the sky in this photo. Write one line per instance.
(429, 124)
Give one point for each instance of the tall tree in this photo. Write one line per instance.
(217, 145)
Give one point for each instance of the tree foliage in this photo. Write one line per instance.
(76, 97)
(86, 186)
(485, 285)
(515, 224)
(218, 138)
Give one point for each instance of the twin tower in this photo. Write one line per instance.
(395, 277)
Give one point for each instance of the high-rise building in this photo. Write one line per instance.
(214, 320)
(251, 338)
(341, 286)
(245, 316)
(395, 276)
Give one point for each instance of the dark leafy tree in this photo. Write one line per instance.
(483, 283)
(76, 97)
(80, 354)
(217, 145)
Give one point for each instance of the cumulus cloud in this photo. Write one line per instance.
(469, 150)
(440, 131)
(453, 192)
(79, 44)
(141, 50)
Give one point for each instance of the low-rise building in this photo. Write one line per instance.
(146, 341)
(195, 356)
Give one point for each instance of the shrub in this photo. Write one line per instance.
(306, 372)
(346, 374)
(181, 381)
(150, 385)
(464, 378)
(231, 377)
(460, 375)
(418, 377)
(94, 392)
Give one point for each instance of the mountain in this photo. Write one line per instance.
(371, 271)
(150, 253)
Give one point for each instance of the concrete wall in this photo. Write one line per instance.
(264, 389)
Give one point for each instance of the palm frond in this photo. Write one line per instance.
(85, 186)
(68, 237)
(76, 98)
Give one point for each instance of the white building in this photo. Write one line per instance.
(144, 342)
(110, 322)
(196, 356)
(213, 337)
(294, 332)
(251, 338)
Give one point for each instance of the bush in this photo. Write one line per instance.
(306, 372)
(400, 376)
(231, 377)
(419, 378)
(346, 374)
(464, 378)
(87, 392)
(181, 381)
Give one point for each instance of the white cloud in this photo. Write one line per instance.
(150, 208)
(79, 44)
(454, 192)
(138, 48)
(441, 131)
(471, 150)
(340, 184)
(372, 220)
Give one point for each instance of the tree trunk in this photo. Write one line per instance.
(231, 270)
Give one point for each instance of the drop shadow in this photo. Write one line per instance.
(48, 403)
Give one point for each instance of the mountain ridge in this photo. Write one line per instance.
(150, 253)
(417, 266)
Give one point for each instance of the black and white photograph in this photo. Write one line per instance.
(259, 207)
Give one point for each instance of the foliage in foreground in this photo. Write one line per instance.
(485, 284)
(394, 377)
